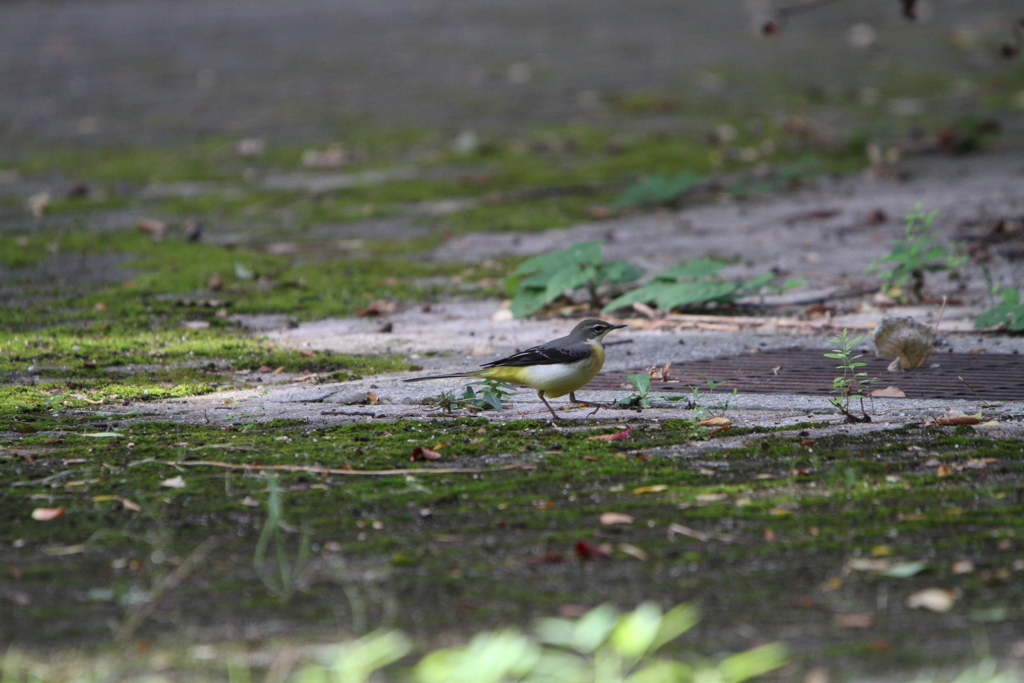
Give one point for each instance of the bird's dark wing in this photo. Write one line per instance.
(546, 354)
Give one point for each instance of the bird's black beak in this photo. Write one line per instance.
(615, 327)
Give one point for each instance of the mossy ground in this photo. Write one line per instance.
(438, 554)
(784, 514)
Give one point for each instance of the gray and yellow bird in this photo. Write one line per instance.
(555, 368)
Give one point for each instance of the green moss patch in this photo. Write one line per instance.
(762, 535)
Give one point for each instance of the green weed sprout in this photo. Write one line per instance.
(640, 398)
(853, 383)
(917, 252)
(602, 645)
(695, 284)
(694, 403)
(487, 398)
(1010, 312)
(542, 279)
(284, 584)
(356, 661)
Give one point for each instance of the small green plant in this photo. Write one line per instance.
(640, 398)
(853, 383)
(694, 284)
(284, 583)
(487, 398)
(1010, 312)
(542, 279)
(657, 190)
(356, 661)
(694, 403)
(602, 645)
(917, 252)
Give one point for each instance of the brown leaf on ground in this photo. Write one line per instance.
(154, 228)
(716, 422)
(702, 536)
(952, 418)
(655, 488)
(421, 453)
(909, 340)
(934, 599)
(47, 514)
(617, 436)
(632, 551)
(978, 463)
(588, 551)
(378, 308)
(660, 373)
(545, 558)
(854, 620)
(616, 518)
(308, 353)
(889, 392)
(963, 567)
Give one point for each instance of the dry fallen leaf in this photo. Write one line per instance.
(952, 418)
(587, 551)
(37, 204)
(681, 530)
(174, 482)
(61, 550)
(632, 551)
(978, 463)
(889, 392)
(617, 436)
(818, 674)
(616, 518)
(380, 307)
(710, 497)
(934, 599)
(156, 229)
(716, 422)
(656, 488)
(46, 514)
(942, 471)
(421, 453)
(907, 339)
(129, 504)
(963, 567)
(854, 620)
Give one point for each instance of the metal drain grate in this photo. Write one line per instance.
(807, 371)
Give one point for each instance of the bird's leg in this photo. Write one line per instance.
(540, 394)
(587, 403)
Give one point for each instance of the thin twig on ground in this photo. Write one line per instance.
(316, 469)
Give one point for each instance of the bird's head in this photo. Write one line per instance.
(592, 329)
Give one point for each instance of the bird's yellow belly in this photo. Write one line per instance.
(553, 380)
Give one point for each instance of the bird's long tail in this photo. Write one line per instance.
(421, 379)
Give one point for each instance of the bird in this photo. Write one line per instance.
(555, 368)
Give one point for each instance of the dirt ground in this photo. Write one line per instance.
(781, 537)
